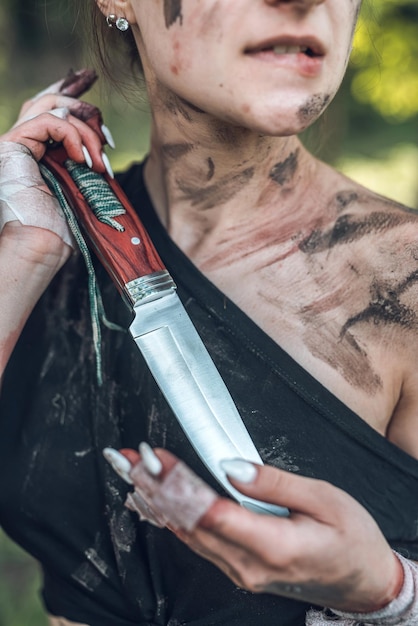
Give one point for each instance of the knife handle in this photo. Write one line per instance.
(128, 255)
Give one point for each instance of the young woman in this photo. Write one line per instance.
(302, 284)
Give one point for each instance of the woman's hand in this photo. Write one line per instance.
(35, 240)
(55, 115)
(328, 552)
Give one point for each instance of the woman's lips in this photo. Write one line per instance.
(304, 55)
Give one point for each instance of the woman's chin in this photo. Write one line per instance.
(276, 119)
(276, 124)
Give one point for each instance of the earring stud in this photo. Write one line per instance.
(121, 23)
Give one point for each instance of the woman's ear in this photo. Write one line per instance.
(120, 8)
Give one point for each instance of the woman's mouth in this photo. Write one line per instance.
(305, 56)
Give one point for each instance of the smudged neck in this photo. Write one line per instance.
(204, 173)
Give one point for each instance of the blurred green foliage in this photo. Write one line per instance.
(19, 587)
(385, 58)
(370, 132)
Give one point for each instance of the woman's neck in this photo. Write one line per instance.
(205, 175)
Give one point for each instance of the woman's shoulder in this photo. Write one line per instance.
(379, 212)
(367, 221)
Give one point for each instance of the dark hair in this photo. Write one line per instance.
(109, 47)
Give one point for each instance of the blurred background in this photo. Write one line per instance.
(370, 132)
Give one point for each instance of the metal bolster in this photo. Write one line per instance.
(150, 287)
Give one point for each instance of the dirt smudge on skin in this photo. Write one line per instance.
(172, 12)
(350, 228)
(218, 193)
(283, 172)
(243, 250)
(345, 198)
(176, 150)
(227, 134)
(385, 306)
(211, 168)
(313, 108)
(190, 105)
(329, 595)
(344, 355)
(175, 106)
(325, 303)
(382, 306)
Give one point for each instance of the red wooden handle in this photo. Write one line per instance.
(126, 255)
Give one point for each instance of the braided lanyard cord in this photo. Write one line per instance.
(105, 207)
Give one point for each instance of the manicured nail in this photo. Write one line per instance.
(61, 112)
(120, 463)
(240, 470)
(107, 165)
(87, 157)
(108, 136)
(151, 461)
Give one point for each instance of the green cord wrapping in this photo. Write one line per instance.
(97, 193)
(106, 207)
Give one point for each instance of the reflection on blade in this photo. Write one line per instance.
(195, 390)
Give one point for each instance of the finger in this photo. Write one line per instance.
(92, 142)
(74, 85)
(256, 534)
(43, 105)
(79, 108)
(77, 83)
(226, 556)
(52, 89)
(62, 113)
(84, 111)
(42, 128)
(306, 495)
(55, 88)
(167, 459)
(35, 133)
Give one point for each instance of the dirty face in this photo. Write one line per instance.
(270, 66)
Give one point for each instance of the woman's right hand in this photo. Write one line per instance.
(51, 116)
(35, 245)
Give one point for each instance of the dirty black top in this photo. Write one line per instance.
(63, 503)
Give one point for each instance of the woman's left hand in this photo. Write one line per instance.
(329, 551)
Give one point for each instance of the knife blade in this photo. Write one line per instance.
(164, 333)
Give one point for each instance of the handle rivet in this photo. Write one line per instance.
(135, 241)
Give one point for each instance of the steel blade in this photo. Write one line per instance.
(194, 389)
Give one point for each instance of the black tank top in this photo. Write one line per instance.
(62, 503)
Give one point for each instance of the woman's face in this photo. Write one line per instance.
(270, 66)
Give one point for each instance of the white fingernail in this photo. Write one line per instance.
(61, 112)
(108, 136)
(107, 165)
(87, 157)
(240, 470)
(151, 461)
(120, 463)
